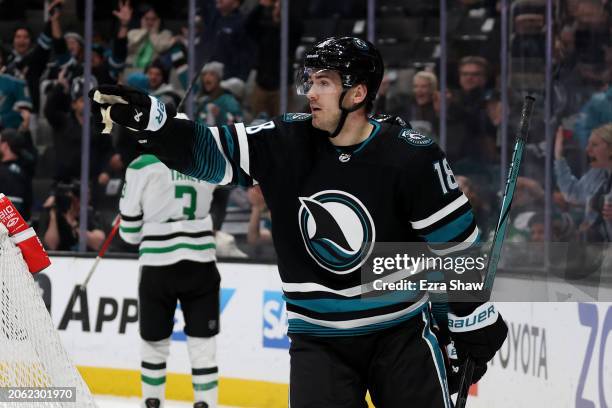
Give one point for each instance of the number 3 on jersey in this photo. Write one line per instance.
(188, 210)
(445, 175)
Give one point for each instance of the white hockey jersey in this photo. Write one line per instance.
(166, 213)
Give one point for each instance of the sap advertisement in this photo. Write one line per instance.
(558, 354)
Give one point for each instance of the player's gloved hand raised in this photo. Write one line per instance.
(128, 107)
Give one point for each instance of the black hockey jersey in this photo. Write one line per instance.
(330, 206)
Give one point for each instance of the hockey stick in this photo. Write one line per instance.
(500, 233)
(179, 108)
(102, 251)
(81, 290)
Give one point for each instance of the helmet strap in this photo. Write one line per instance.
(344, 114)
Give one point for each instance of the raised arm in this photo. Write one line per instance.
(220, 155)
(573, 189)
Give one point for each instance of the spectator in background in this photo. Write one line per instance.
(29, 62)
(585, 39)
(528, 39)
(15, 181)
(562, 227)
(591, 31)
(225, 39)
(67, 48)
(493, 106)
(28, 154)
(260, 223)
(493, 121)
(263, 24)
(596, 112)
(155, 82)
(528, 200)
(599, 152)
(69, 51)
(259, 232)
(536, 227)
(107, 188)
(591, 188)
(107, 68)
(146, 43)
(64, 111)
(13, 98)
(59, 227)
(421, 109)
(469, 133)
(74, 44)
(216, 106)
(480, 205)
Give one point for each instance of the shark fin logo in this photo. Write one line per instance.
(337, 230)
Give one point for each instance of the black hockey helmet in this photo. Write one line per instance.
(356, 60)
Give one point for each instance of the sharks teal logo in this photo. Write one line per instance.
(414, 138)
(337, 230)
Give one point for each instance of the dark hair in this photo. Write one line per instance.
(12, 137)
(157, 63)
(22, 27)
(64, 194)
(528, 7)
(472, 59)
(146, 7)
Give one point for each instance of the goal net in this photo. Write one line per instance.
(31, 352)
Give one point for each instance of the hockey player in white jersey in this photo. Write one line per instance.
(166, 214)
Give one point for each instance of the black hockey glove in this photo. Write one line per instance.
(452, 362)
(454, 369)
(128, 107)
(478, 334)
(156, 127)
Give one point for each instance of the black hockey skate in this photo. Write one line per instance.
(200, 404)
(152, 403)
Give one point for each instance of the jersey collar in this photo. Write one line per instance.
(354, 149)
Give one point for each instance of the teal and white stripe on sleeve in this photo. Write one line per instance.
(450, 229)
(221, 155)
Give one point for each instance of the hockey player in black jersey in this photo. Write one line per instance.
(337, 182)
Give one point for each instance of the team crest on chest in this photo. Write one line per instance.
(414, 138)
(337, 230)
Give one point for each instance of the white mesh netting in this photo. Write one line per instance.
(31, 352)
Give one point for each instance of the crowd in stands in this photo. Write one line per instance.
(238, 47)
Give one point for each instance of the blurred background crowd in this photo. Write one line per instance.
(456, 89)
